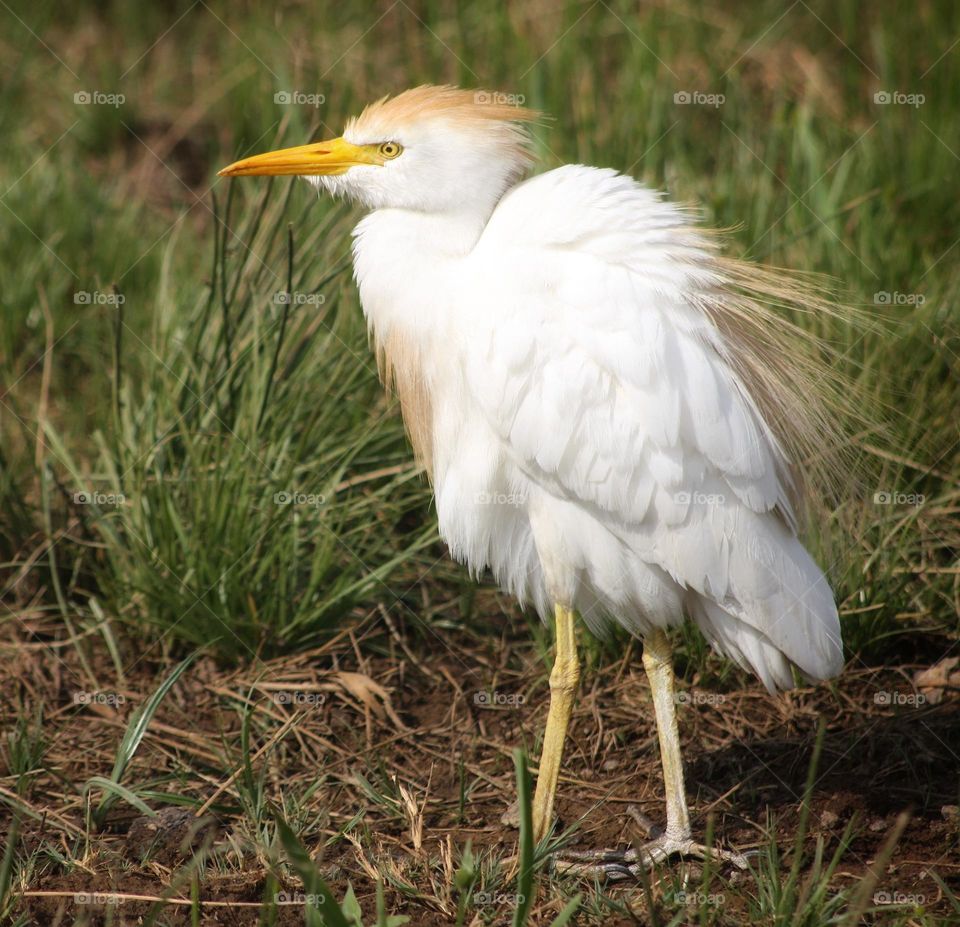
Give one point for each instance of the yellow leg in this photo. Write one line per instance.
(658, 662)
(675, 839)
(563, 687)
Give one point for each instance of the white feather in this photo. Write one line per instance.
(591, 443)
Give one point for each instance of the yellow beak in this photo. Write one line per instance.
(320, 158)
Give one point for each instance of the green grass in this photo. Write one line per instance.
(251, 485)
(193, 409)
(201, 398)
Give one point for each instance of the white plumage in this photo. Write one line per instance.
(590, 443)
(588, 386)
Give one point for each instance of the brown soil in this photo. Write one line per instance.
(369, 713)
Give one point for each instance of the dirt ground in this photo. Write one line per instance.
(416, 734)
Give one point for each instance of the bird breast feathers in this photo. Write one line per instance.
(592, 360)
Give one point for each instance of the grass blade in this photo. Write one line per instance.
(525, 877)
(313, 883)
(136, 730)
(569, 910)
(116, 790)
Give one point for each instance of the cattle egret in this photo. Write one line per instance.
(615, 421)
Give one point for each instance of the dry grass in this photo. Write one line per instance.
(379, 752)
(383, 761)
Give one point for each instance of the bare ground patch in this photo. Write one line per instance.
(388, 753)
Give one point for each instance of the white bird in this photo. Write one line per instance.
(614, 422)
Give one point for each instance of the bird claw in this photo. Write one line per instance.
(620, 865)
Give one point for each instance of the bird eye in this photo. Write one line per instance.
(390, 150)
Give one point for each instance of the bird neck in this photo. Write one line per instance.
(421, 235)
(402, 259)
(404, 262)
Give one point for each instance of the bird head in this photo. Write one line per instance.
(429, 149)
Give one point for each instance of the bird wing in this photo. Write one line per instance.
(595, 363)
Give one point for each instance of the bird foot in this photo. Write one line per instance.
(619, 865)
